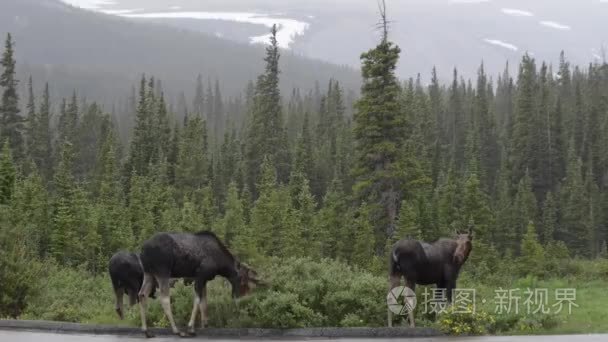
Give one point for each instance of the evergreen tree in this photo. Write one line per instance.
(532, 258)
(550, 219)
(7, 175)
(379, 134)
(331, 222)
(524, 114)
(31, 119)
(265, 135)
(576, 228)
(64, 236)
(363, 238)
(142, 145)
(232, 224)
(198, 105)
(30, 212)
(42, 149)
(192, 166)
(11, 123)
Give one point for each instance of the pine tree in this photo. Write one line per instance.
(576, 228)
(64, 236)
(379, 134)
(532, 258)
(408, 227)
(30, 212)
(488, 146)
(218, 112)
(524, 115)
(550, 219)
(140, 208)
(192, 166)
(330, 221)
(32, 120)
(524, 206)
(449, 206)
(265, 133)
(363, 237)
(19, 271)
(142, 146)
(11, 123)
(7, 175)
(233, 223)
(42, 149)
(475, 207)
(162, 129)
(456, 126)
(270, 215)
(112, 226)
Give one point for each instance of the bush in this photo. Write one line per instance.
(72, 295)
(465, 322)
(302, 293)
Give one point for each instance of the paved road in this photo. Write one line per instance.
(49, 337)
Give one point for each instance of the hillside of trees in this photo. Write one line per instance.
(517, 157)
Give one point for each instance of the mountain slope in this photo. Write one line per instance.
(444, 33)
(103, 55)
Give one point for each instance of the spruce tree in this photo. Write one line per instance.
(532, 260)
(379, 134)
(523, 122)
(265, 132)
(8, 175)
(32, 120)
(43, 149)
(11, 123)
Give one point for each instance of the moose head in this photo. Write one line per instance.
(464, 245)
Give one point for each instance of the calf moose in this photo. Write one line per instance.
(127, 276)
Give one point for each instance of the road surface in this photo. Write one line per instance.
(20, 336)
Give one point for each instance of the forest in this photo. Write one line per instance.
(314, 179)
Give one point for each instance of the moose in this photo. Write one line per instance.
(429, 263)
(126, 274)
(198, 256)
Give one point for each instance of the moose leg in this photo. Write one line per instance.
(119, 292)
(393, 281)
(449, 289)
(202, 306)
(165, 301)
(410, 311)
(195, 306)
(144, 292)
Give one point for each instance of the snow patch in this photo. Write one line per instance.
(516, 12)
(122, 11)
(90, 4)
(175, 8)
(501, 44)
(288, 29)
(556, 25)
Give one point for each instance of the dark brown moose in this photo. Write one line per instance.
(201, 257)
(424, 263)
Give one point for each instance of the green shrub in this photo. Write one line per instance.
(456, 321)
(71, 295)
(302, 293)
